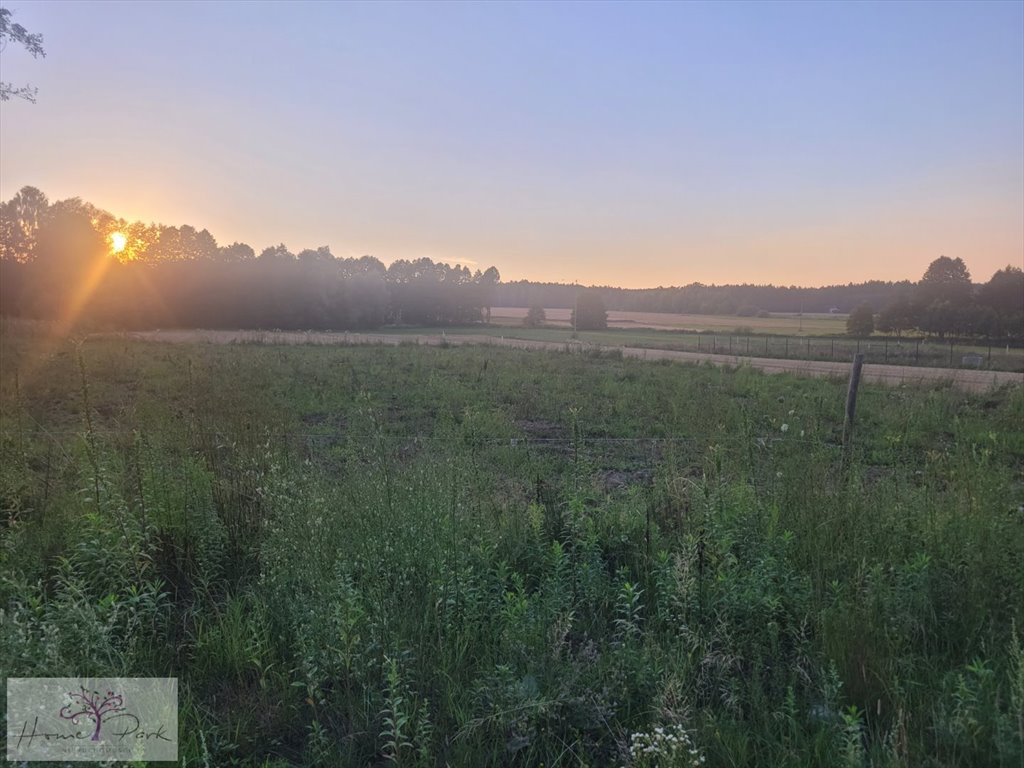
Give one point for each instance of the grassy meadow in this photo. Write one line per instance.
(469, 556)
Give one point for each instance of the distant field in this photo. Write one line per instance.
(793, 325)
(751, 341)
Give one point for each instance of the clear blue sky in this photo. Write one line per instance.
(633, 144)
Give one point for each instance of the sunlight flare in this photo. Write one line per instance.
(118, 242)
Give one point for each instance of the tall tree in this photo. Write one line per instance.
(944, 297)
(488, 282)
(68, 253)
(945, 279)
(20, 219)
(1004, 295)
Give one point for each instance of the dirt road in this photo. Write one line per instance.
(967, 380)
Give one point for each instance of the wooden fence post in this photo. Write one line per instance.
(851, 399)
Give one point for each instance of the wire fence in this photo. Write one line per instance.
(980, 354)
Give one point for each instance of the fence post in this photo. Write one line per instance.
(851, 399)
(698, 342)
(917, 351)
(833, 349)
(787, 348)
(950, 354)
(887, 350)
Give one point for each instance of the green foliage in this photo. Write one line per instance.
(470, 556)
(861, 321)
(33, 43)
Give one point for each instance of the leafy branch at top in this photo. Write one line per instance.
(33, 43)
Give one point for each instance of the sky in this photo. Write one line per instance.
(632, 144)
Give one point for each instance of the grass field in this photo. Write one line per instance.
(467, 556)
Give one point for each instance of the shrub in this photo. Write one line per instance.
(535, 317)
(861, 321)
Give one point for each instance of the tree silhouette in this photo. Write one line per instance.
(945, 279)
(20, 219)
(897, 315)
(276, 253)
(32, 43)
(177, 276)
(1003, 294)
(943, 297)
(235, 252)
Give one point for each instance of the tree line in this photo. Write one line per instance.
(943, 302)
(70, 257)
(59, 258)
(698, 299)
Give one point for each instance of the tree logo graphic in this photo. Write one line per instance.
(92, 706)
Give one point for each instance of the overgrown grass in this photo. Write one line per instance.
(473, 556)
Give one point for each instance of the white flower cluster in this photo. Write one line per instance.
(664, 747)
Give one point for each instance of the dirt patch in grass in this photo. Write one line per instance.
(617, 479)
(542, 430)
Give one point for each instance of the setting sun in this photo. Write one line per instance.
(117, 242)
